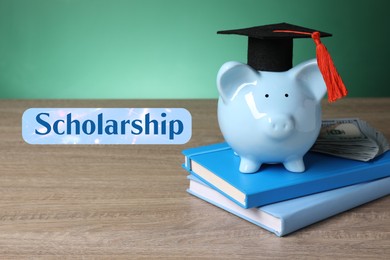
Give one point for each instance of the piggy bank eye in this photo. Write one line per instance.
(266, 95)
(286, 95)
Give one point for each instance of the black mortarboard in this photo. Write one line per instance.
(269, 49)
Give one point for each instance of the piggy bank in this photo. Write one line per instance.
(270, 117)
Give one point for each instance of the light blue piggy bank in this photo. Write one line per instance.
(270, 117)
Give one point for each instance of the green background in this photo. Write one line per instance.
(170, 49)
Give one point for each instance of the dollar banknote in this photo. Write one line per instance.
(350, 138)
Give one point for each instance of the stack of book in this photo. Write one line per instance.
(281, 201)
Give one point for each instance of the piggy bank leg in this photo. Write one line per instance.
(249, 166)
(295, 165)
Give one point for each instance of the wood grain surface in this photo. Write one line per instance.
(130, 201)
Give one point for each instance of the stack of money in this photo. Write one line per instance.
(350, 138)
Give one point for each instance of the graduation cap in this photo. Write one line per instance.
(270, 48)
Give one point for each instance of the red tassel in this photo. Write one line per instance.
(334, 83)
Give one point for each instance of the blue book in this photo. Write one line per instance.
(217, 166)
(288, 216)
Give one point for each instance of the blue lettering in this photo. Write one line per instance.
(69, 123)
(114, 128)
(100, 124)
(163, 125)
(147, 124)
(55, 127)
(43, 123)
(91, 128)
(136, 126)
(123, 126)
(172, 131)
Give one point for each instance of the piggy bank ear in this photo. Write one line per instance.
(309, 76)
(233, 77)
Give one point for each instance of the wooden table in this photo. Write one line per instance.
(130, 200)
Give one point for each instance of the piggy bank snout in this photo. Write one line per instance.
(279, 126)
